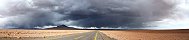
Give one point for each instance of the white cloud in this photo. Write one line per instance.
(180, 19)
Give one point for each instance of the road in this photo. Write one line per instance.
(94, 35)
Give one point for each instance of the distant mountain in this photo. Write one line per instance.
(62, 27)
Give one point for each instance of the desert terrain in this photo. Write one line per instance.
(148, 34)
(15, 34)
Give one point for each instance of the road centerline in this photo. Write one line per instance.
(96, 35)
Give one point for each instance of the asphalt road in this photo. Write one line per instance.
(95, 35)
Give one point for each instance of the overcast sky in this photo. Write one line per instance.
(150, 14)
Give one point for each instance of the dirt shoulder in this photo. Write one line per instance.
(38, 33)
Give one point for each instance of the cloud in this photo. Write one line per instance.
(127, 13)
(84, 13)
(179, 18)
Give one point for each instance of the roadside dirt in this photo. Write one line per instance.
(37, 33)
(148, 34)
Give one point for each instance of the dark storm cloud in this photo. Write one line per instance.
(118, 13)
(87, 13)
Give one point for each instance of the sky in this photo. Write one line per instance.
(114, 14)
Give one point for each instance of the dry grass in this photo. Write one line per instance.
(149, 34)
(37, 33)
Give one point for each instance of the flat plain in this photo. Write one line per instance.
(15, 34)
(148, 34)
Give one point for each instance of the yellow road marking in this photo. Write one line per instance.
(96, 35)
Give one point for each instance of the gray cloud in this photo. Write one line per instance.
(86, 13)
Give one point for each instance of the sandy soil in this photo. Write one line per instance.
(37, 33)
(148, 34)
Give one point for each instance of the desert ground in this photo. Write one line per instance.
(15, 34)
(148, 34)
(36, 34)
